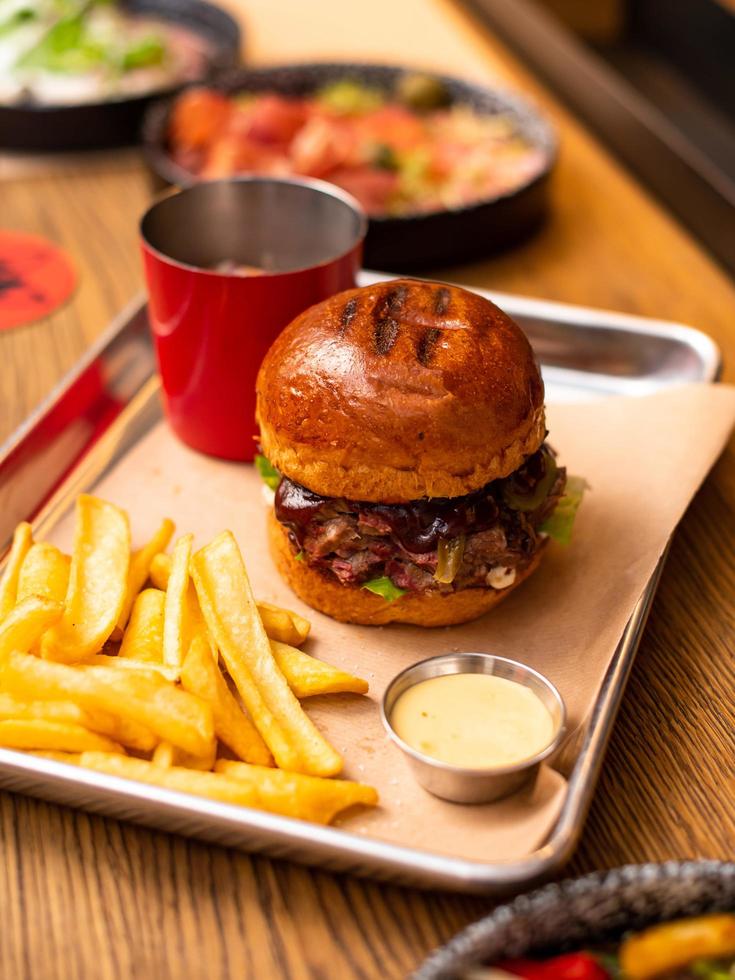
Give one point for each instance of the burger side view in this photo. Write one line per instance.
(403, 430)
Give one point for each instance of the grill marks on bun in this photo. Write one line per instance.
(384, 315)
(442, 298)
(400, 390)
(426, 345)
(349, 311)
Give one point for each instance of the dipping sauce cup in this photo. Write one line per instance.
(228, 265)
(480, 785)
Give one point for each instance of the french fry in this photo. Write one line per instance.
(140, 567)
(128, 733)
(160, 570)
(22, 541)
(144, 698)
(97, 582)
(44, 573)
(308, 676)
(264, 789)
(280, 624)
(175, 621)
(305, 797)
(284, 625)
(143, 638)
(37, 733)
(163, 755)
(227, 602)
(170, 674)
(26, 623)
(200, 675)
(65, 711)
(72, 758)
(167, 755)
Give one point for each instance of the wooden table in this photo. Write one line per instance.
(87, 897)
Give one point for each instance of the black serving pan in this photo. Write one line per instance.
(411, 242)
(598, 908)
(116, 122)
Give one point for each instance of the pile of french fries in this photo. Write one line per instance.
(164, 669)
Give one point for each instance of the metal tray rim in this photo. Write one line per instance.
(336, 847)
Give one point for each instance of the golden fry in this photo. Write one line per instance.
(308, 676)
(128, 733)
(175, 621)
(97, 582)
(229, 609)
(280, 624)
(144, 698)
(296, 795)
(284, 625)
(140, 566)
(163, 755)
(36, 733)
(143, 639)
(44, 573)
(170, 674)
(160, 570)
(70, 757)
(200, 675)
(26, 623)
(303, 797)
(22, 541)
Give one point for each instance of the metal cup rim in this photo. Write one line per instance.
(528, 763)
(308, 183)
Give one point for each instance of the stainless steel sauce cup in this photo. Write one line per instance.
(456, 783)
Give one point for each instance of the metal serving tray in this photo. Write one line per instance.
(110, 400)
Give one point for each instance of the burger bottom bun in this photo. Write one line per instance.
(351, 604)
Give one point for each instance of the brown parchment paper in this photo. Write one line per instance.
(644, 459)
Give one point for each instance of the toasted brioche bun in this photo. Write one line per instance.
(352, 604)
(401, 390)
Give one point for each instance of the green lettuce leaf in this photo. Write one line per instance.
(385, 588)
(268, 473)
(558, 525)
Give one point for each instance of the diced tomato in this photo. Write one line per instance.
(199, 116)
(371, 186)
(392, 125)
(322, 145)
(274, 119)
(573, 966)
(237, 155)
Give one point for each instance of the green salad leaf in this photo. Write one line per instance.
(16, 19)
(385, 588)
(145, 52)
(559, 524)
(268, 473)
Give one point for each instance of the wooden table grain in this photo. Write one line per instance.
(82, 896)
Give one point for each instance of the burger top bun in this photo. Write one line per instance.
(400, 390)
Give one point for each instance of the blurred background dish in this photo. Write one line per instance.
(78, 74)
(580, 912)
(446, 170)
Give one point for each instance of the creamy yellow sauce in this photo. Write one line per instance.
(477, 721)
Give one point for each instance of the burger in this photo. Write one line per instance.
(402, 428)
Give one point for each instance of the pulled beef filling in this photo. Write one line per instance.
(356, 541)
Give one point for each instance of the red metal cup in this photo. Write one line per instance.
(212, 328)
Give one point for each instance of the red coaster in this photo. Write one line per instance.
(36, 278)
